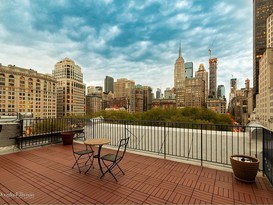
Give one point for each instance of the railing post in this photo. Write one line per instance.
(125, 128)
(19, 142)
(93, 127)
(201, 146)
(263, 152)
(164, 140)
(21, 127)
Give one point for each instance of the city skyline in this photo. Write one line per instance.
(137, 40)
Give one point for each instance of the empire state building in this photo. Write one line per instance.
(179, 80)
(179, 72)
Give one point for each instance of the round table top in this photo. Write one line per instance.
(97, 141)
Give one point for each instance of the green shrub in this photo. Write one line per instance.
(186, 115)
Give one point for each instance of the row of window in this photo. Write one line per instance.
(49, 112)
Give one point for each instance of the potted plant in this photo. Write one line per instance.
(244, 167)
(67, 137)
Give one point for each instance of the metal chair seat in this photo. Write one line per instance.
(83, 152)
(110, 157)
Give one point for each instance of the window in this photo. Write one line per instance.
(2, 79)
(11, 80)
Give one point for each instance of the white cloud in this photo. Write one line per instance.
(182, 4)
(223, 8)
(155, 37)
(3, 32)
(178, 20)
(109, 32)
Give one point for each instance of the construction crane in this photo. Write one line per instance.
(211, 46)
(209, 53)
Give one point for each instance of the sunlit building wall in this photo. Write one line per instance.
(203, 74)
(217, 105)
(262, 9)
(269, 31)
(125, 94)
(27, 91)
(70, 89)
(264, 106)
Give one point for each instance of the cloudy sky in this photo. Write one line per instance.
(138, 40)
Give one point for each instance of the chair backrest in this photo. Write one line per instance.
(122, 148)
(78, 137)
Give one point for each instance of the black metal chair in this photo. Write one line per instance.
(81, 152)
(112, 160)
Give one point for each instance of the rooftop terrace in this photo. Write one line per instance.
(44, 176)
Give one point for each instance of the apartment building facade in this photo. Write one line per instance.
(124, 94)
(27, 91)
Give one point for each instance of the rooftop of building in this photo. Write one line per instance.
(44, 176)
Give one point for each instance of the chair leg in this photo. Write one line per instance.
(109, 168)
(120, 169)
(91, 159)
(76, 162)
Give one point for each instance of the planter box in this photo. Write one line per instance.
(67, 138)
(244, 167)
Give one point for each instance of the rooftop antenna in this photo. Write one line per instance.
(180, 49)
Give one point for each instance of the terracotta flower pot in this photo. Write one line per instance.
(244, 167)
(67, 138)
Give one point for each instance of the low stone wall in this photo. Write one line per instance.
(8, 132)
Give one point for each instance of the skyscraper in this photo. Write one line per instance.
(264, 99)
(158, 93)
(70, 88)
(261, 10)
(125, 94)
(212, 77)
(233, 84)
(138, 98)
(179, 72)
(220, 91)
(147, 98)
(232, 93)
(189, 69)
(108, 84)
(179, 80)
(203, 74)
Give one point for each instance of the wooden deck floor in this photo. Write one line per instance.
(45, 176)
